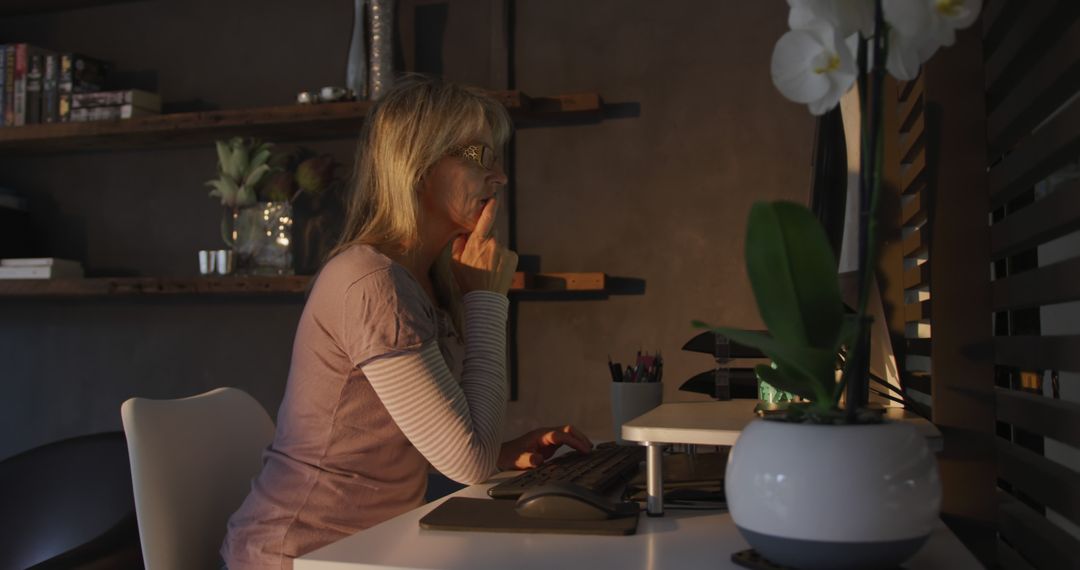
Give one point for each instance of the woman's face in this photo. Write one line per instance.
(455, 190)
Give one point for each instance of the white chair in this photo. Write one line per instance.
(192, 461)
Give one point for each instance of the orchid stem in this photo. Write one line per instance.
(871, 81)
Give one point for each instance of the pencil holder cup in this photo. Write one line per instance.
(630, 400)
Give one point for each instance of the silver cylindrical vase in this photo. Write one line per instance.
(381, 69)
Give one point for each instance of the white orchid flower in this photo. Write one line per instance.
(920, 27)
(907, 53)
(934, 21)
(813, 66)
(845, 16)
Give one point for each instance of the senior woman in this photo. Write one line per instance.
(399, 358)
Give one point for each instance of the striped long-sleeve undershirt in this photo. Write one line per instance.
(456, 427)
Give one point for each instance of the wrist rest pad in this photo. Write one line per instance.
(498, 515)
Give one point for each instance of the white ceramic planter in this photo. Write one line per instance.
(819, 496)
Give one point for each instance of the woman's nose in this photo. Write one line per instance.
(497, 175)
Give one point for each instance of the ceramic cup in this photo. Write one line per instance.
(223, 261)
(630, 400)
(207, 261)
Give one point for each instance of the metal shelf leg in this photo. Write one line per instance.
(654, 479)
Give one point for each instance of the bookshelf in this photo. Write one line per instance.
(254, 285)
(279, 123)
(24, 7)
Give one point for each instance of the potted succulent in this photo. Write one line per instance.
(242, 166)
(260, 189)
(829, 484)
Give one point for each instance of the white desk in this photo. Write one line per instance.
(715, 423)
(681, 540)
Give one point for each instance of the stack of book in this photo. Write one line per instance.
(111, 105)
(43, 86)
(39, 268)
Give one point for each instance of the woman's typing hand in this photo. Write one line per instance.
(538, 445)
(479, 262)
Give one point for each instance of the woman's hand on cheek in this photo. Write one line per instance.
(479, 262)
(538, 445)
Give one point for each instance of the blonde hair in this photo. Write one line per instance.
(406, 132)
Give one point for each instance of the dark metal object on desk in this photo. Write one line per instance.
(706, 343)
(741, 381)
(723, 351)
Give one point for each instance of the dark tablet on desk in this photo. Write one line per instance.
(492, 515)
(684, 471)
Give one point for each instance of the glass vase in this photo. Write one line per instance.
(262, 239)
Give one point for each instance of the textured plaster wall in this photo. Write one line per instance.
(662, 196)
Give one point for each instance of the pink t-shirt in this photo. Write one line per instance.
(339, 463)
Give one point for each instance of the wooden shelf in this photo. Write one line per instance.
(286, 122)
(251, 285)
(23, 7)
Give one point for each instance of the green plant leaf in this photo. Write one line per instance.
(784, 382)
(256, 175)
(793, 274)
(239, 162)
(216, 185)
(260, 158)
(820, 383)
(225, 189)
(245, 196)
(224, 154)
(815, 363)
(809, 366)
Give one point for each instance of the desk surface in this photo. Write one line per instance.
(680, 540)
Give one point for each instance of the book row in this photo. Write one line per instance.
(43, 86)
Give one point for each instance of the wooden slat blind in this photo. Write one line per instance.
(1048, 285)
(1032, 352)
(917, 276)
(1040, 542)
(1003, 65)
(1037, 156)
(996, 18)
(912, 173)
(1054, 418)
(1051, 81)
(911, 141)
(1052, 217)
(911, 120)
(910, 106)
(915, 242)
(1010, 559)
(1044, 480)
(919, 311)
(1032, 65)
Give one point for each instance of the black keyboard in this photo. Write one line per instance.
(599, 470)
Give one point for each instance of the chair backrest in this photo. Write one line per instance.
(192, 461)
